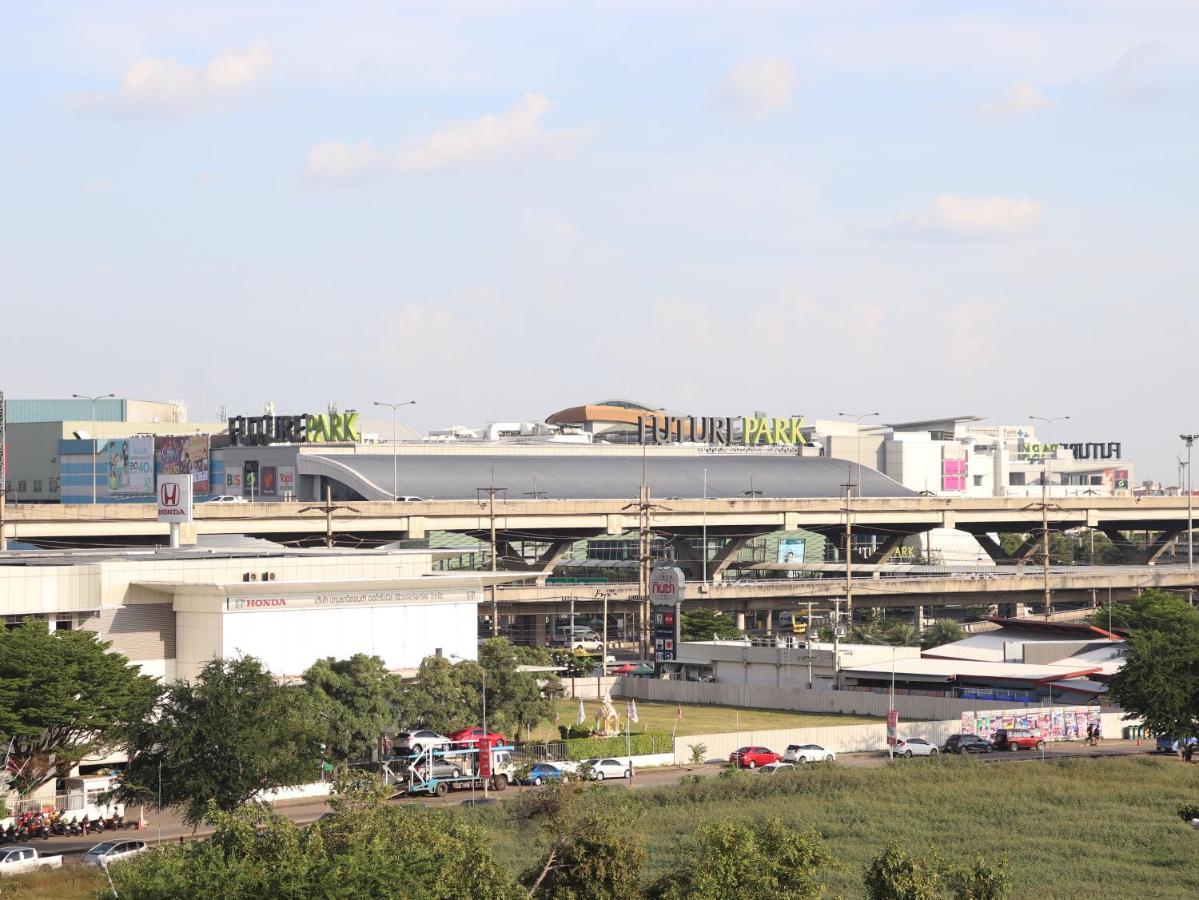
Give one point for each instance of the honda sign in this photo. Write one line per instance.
(175, 498)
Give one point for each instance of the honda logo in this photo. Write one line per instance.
(168, 494)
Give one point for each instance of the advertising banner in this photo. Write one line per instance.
(287, 481)
(1056, 723)
(249, 478)
(184, 455)
(233, 482)
(270, 484)
(892, 727)
(339, 599)
(130, 465)
(791, 550)
(174, 498)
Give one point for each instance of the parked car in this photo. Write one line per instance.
(966, 743)
(608, 767)
(915, 746)
(1173, 745)
(543, 772)
(472, 736)
(226, 498)
(422, 739)
(108, 852)
(1014, 739)
(808, 753)
(19, 860)
(775, 767)
(752, 757)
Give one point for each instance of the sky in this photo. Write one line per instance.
(500, 209)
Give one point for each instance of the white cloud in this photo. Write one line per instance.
(1128, 81)
(954, 217)
(758, 87)
(509, 137)
(168, 87)
(973, 332)
(1019, 99)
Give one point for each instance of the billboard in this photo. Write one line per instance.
(270, 481)
(174, 498)
(184, 455)
(287, 481)
(249, 480)
(130, 464)
(791, 550)
(1053, 723)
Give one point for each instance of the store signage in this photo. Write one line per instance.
(259, 431)
(349, 598)
(667, 586)
(1095, 450)
(727, 431)
(174, 498)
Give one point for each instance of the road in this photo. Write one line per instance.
(302, 812)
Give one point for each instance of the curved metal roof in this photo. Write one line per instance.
(583, 477)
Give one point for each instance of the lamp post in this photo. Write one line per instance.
(93, 400)
(1045, 475)
(1190, 439)
(395, 465)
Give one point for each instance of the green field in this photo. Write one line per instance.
(660, 718)
(1092, 828)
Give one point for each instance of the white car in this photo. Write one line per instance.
(421, 739)
(775, 767)
(109, 851)
(608, 767)
(914, 747)
(226, 498)
(19, 860)
(808, 753)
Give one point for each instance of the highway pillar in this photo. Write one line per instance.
(741, 620)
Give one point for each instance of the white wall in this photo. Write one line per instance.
(288, 641)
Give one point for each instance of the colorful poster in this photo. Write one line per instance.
(954, 469)
(249, 480)
(270, 484)
(287, 481)
(184, 455)
(1056, 723)
(791, 550)
(130, 465)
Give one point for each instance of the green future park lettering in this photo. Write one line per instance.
(756, 430)
(332, 427)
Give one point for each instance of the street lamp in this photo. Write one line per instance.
(395, 466)
(1190, 439)
(1045, 475)
(93, 400)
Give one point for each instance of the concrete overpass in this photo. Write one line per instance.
(558, 523)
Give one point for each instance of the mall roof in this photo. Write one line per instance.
(598, 477)
(928, 669)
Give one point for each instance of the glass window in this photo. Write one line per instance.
(1015, 478)
(37, 485)
(20, 487)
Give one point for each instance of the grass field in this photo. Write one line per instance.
(660, 718)
(1072, 828)
(65, 883)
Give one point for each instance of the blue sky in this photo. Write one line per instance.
(501, 209)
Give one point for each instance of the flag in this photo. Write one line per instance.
(582, 713)
(678, 713)
(633, 711)
(557, 717)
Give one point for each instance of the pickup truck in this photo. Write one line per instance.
(19, 860)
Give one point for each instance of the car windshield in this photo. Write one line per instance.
(103, 848)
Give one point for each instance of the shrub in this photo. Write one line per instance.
(1189, 811)
(573, 731)
(896, 875)
(699, 753)
(981, 880)
(641, 744)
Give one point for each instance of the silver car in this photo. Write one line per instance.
(808, 753)
(914, 746)
(608, 767)
(109, 851)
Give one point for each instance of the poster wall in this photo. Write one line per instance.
(184, 455)
(791, 550)
(270, 481)
(130, 465)
(1056, 723)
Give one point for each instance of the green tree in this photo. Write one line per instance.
(515, 699)
(365, 849)
(1159, 681)
(896, 875)
(225, 737)
(595, 860)
(64, 696)
(1152, 608)
(354, 701)
(440, 697)
(865, 633)
(901, 634)
(573, 665)
(1061, 547)
(942, 631)
(736, 861)
(704, 624)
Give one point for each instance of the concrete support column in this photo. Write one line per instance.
(769, 621)
(741, 620)
(919, 617)
(539, 632)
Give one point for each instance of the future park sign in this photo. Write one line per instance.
(260, 431)
(727, 431)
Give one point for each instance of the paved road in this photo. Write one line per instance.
(306, 811)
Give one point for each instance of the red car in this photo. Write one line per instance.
(752, 757)
(1016, 739)
(474, 735)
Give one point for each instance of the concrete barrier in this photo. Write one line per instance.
(298, 792)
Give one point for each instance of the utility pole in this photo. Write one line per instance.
(93, 400)
(491, 490)
(645, 545)
(328, 509)
(1046, 474)
(1190, 439)
(849, 547)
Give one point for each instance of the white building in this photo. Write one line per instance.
(171, 611)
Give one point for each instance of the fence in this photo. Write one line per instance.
(861, 703)
(589, 688)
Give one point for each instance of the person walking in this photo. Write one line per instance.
(1096, 737)
(1090, 733)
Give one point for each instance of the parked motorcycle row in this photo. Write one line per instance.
(34, 825)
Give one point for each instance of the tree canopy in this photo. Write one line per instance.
(704, 624)
(355, 701)
(64, 696)
(1152, 608)
(224, 738)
